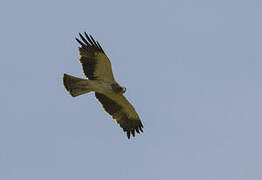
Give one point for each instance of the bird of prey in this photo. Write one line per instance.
(98, 70)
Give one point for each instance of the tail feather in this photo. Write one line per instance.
(75, 86)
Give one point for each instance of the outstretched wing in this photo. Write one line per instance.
(122, 111)
(95, 63)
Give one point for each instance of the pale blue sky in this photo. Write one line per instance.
(192, 70)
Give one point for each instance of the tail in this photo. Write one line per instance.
(75, 86)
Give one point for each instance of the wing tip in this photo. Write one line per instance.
(88, 41)
(138, 130)
(128, 134)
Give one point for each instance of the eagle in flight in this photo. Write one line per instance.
(98, 70)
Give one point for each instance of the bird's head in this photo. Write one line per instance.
(118, 89)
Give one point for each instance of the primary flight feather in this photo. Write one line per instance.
(97, 68)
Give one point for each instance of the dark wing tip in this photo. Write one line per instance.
(92, 39)
(133, 130)
(99, 46)
(80, 42)
(128, 134)
(84, 40)
(137, 130)
(88, 41)
(140, 128)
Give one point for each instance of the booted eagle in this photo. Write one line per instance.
(98, 70)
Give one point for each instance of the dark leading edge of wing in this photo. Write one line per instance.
(129, 125)
(88, 59)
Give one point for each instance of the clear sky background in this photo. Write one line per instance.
(192, 69)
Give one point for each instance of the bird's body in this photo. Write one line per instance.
(101, 86)
(97, 68)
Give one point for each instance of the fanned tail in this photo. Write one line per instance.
(75, 86)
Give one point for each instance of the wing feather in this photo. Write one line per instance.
(95, 63)
(122, 111)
